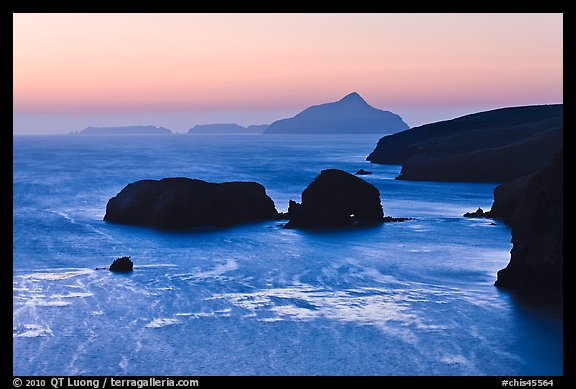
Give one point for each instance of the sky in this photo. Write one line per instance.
(71, 70)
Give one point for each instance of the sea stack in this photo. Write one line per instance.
(183, 203)
(336, 199)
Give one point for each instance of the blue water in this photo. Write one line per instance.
(411, 298)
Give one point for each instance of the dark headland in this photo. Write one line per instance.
(491, 146)
(533, 207)
(521, 147)
(349, 115)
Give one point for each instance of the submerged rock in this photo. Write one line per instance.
(122, 265)
(336, 199)
(182, 203)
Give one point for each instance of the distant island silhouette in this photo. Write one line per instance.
(125, 130)
(349, 115)
(227, 128)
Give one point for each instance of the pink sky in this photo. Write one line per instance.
(205, 67)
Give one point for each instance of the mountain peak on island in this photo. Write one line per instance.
(349, 115)
(353, 97)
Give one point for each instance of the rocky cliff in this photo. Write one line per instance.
(492, 146)
(534, 208)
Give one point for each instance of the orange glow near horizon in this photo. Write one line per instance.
(186, 62)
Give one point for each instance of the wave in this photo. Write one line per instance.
(85, 225)
(196, 315)
(31, 331)
(372, 306)
(72, 295)
(57, 276)
(216, 273)
(162, 322)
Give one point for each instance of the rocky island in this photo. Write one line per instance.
(334, 199)
(227, 128)
(125, 130)
(184, 203)
(337, 199)
(349, 115)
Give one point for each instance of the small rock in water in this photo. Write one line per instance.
(363, 172)
(122, 265)
(388, 219)
(478, 213)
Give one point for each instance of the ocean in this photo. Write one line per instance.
(406, 298)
